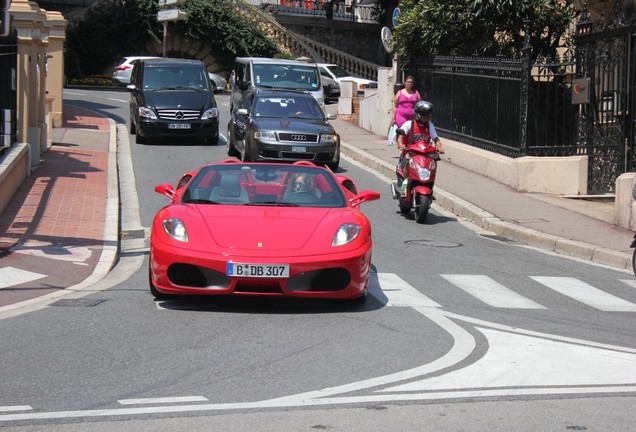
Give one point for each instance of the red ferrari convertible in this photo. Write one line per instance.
(262, 229)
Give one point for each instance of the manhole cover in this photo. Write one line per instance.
(78, 302)
(433, 243)
(136, 234)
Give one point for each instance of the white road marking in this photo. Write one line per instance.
(491, 292)
(630, 282)
(586, 294)
(527, 361)
(57, 252)
(119, 100)
(162, 400)
(10, 276)
(9, 408)
(392, 290)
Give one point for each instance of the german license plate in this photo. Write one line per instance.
(179, 126)
(299, 149)
(257, 270)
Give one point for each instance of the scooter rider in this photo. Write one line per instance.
(419, 129)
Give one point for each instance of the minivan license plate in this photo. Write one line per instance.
(257, 270)
(179, 126)
(299, 149)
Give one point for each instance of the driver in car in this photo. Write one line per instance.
(299, 183)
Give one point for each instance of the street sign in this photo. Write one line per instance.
(394, 17)
(171, 15)
(170, 2)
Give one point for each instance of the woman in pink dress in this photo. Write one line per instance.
(403, 103)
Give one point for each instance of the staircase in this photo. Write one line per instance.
(301, 46)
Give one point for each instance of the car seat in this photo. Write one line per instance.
(229, 191)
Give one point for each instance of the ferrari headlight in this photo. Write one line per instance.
(176, 229)
(265, 135)
(329, 138)
(345, 234)
(146, 112)
(211, 113)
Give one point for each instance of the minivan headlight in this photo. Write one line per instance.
(146, 112)
(211, 113)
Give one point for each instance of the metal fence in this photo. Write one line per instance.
(503, 105)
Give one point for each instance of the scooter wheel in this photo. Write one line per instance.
(405, 208)
(421, 210)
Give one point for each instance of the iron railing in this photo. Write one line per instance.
(483, 101)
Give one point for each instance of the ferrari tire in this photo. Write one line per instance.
(361, 299)
(154, 291)
(421, 210)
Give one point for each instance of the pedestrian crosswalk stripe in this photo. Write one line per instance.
(491, 292)
(586, 294)
(11, 276)
(398, 292)
(630, 282)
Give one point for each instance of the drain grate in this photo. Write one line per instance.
(78, 302)
(136, 234)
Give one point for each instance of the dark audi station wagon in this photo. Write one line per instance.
(282, 125)
(172, 98)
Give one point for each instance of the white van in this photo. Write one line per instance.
(269, 73)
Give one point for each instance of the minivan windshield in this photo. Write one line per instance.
(175, 77)
(293, 77)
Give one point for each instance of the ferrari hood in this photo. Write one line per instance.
(263, 228)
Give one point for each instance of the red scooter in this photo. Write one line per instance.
(420, 163)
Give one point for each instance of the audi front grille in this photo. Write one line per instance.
(297, 137)
(179, 115)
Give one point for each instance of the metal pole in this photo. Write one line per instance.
(165, 33)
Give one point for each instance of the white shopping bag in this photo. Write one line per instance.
(392, 136)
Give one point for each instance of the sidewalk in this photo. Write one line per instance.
(60, 232)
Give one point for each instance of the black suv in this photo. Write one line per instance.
(282, 125)
(172, 98)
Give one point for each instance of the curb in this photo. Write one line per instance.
(471, 213)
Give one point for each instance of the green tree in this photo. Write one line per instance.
(486, 27)
(110, 29)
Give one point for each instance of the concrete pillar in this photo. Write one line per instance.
(55, 67)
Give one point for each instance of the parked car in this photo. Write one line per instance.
(218, 82)
(330, 88)
(337, 73)
(121, 74)
(249, 229)
(282, 125)
(172, 98)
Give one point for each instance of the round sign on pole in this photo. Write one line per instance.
(394, 18)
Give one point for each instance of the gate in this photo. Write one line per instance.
(606, 56)
(8, 90)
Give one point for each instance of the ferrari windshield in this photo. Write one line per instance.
(264, 184)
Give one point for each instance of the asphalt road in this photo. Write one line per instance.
(461, 332)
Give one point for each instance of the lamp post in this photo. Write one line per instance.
(166, 15)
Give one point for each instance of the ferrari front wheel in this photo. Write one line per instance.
(154, 291)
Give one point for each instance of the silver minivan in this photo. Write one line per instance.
(268, 73)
